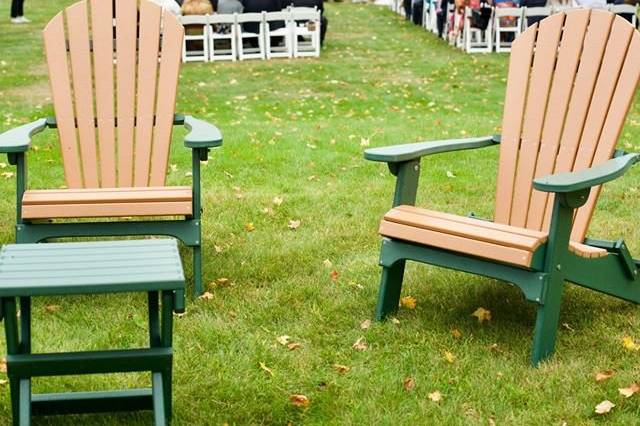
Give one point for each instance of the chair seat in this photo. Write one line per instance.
(107, 202)
(502, 243)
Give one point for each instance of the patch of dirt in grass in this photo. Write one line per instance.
(34, 94)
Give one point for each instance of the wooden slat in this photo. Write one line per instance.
(564, 76)
(147, 76)
(584, 250)
(179, 208)
(620, 103)
(544, 61)
(78, 29)
(475, 222)
(590, 60)
(55, 48)
(35, 197)
(102, 31)
(517, 83)
(172, 35)
(455, 243)
(126, 26)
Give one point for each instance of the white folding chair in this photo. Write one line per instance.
(626, 9)
(223, 40)
(426, 19)
(250, 52)
(306, 34)
(534, 12)
(475, 39)
(191, 22)
(284, 32)
(433, 17)
(515, 27)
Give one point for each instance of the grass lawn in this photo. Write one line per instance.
(295, 130)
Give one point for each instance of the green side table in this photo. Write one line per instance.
(151, 266)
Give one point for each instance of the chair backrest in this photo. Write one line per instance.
(194, 19)
(222, 18)
(572, 78)
(283, 15)
(104, 73)
(537, 11)
(623, 8)
(305, 15)
(249, 17)
(508, 11)
(299, 9)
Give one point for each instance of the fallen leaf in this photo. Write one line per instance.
(283, 340)
(408, 302)
(294, 345)
(482, 314)
(630, 344)
(222, 281)
(327, 263)
(604, 407)
(3, 382)
(435, 396)
(52, 308)
(456, 333)
(265, 368)
(299, 400)
(568, 326)
(334, 275)
(364, 142)
(8, 175)
(395, 320)
(601, 376)
(450, 174)
(277, 200)
(218, 249)
(3, 365)
(249, 227)
(342, 369)
(365, 324)
(294, 224)
(494, 348)
(628, 392)
(451, 358)
(408, 384)
(360, 344)
(206, 296)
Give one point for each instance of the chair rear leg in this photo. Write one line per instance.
(390, 286)
(548, 316)
(197, 271)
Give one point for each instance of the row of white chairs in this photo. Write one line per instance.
(222, 37)
(505, 20)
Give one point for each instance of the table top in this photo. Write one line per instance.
(90, 267)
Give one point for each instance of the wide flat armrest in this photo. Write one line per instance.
(18, 139)
(584, 179)
(201, 134)
(412, 151)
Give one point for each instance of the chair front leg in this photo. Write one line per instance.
(198, 154)
(390, 288)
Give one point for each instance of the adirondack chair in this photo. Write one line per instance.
(572, 78)
(114, 75)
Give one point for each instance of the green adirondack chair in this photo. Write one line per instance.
(113, 69)
(572, 78)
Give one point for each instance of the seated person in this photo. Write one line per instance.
(229, 6)
(257, 6)
(312, 3)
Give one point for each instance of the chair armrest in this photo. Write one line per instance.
(18, 140)
(412, 151)
(587, 178)
(201, 134)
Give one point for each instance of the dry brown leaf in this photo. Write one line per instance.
(3, 365)
(395, 320)
(604, 407)
(408, 384)
(249, 227)
(277, 201)
(283, 340)
(456, 333)
(342, 369)
(482, 314)
(3, 382)
(628, 392)
(265, 368)
(52, 308)
(327, 263)
(299, 400)
(218, 249)
(451, 358)
(294, 345)
(360, 344)
(630, 344)
(435, 396)
(222, 281)
(333, 275)
(601, 376)
(294, 224)
(365, 324)
(408, 302)
(206, 296)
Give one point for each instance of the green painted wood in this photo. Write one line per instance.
(89, 362)
(390, 290)
(25, 402)
(19, 138)
(587, 178)
(81, 268)
(159, 414)
(407, 177)
(91, 402)
(201, 134)
(413, 151)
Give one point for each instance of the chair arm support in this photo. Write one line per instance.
(587, 178)
(18, 139)
(413, 151)
(201, 134)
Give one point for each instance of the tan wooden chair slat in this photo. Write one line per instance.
(126, 25)
(172, 35)
(549, 32)
(517, 85)
(102, 31)
(150, 14)
(133, 209)
(78, 31)
(563, 78)
(108, 195)
(55, 48)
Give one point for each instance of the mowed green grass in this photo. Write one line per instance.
(296, 129)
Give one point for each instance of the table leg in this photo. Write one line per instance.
(167, 342)
(154, 320)
(13, 348)
(25, 325)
